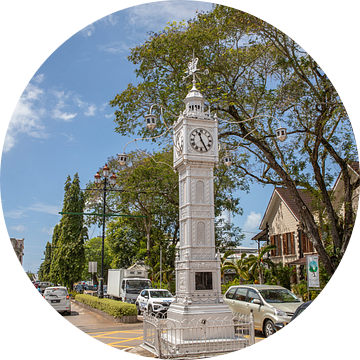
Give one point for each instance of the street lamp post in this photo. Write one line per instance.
(106, 182)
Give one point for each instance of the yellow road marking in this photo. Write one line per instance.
(118, 342)
(103, 333)
(117, 331)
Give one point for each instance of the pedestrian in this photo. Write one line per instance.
(39, 289)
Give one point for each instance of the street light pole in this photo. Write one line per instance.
(105, 189)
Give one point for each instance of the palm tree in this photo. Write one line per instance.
(256, 263)
(240, 267)
(224, 262)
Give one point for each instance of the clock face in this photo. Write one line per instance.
(201, 140)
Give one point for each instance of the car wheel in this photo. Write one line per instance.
(269, 328)
(138, 309)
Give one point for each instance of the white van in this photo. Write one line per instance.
(58, 298)
(270, 304)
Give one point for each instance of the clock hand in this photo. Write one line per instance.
(201, 139)
(203, 143)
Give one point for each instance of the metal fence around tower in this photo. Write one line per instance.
(201, 338)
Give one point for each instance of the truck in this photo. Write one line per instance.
(126, 284)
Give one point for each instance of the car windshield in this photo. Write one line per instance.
(135, 286)
(56, 292)
(160, 294)
(278, 296)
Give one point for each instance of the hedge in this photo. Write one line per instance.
(115, 308)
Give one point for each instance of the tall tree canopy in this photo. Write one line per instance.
(149, 187)
(69, 254)
(259, 80)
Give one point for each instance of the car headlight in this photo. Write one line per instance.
(279, 312)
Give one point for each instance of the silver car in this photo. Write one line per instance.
(270, 304)
(58, 298)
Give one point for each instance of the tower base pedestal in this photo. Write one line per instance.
(197, 312)
(201, 329)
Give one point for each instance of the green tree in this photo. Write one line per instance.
(149, 187)
(69, 254)
(54, 273)
(45, 267)
(223, 262)
(280, 275)
(93, 254)
(258, 77)
(256, 263)
(126, 244)
(241, 268)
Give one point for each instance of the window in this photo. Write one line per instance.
(307, 246)
(290, 240)
(203, 281)
(241, 294)
(230, 293)
(252, 294)
(276, 241)
(278, 296)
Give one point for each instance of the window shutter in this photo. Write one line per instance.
(272, 242)
(304, 243)
(292, 244)
(285, 247)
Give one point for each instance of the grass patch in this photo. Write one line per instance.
(111, 307)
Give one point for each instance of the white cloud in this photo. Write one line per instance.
(88, 30)
(38, 207)
(107, 20)
(27, 116)
(14, 214)
(35, 104)
(48, 209)
(57, 112)
(116, 47)
(90, 109)
(69, 137)
(152, 15)
(252, 221)
(48, 231)
(19, 228)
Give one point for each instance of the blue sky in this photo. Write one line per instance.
(63, 124)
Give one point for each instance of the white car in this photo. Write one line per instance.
(58, 297)
(154, 301)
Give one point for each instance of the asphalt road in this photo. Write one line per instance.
(120, 336)
(127, 337)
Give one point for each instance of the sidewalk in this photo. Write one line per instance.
(123, 336)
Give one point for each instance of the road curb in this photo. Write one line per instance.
(116, 320)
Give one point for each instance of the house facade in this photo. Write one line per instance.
(338, 190)
(280, 226)
(18, 245)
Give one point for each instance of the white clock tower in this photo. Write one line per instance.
(197, 267)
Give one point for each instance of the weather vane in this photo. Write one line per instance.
(192, 69)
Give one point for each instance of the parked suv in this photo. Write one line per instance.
(155, 301)
(270, 304)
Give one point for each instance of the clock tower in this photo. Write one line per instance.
(197, 266)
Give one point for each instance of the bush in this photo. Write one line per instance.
(300, 290)
(114, 308)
